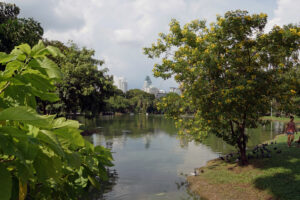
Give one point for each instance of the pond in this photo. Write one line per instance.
(151, 161)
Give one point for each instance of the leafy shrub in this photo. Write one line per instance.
(41, 156)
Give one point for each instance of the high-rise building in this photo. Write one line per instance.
(147, 83)
(121, 83)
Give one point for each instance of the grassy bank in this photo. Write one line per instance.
(282, 119)
(272, 178)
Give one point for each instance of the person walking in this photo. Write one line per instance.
(290, 131)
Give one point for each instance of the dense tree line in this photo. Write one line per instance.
(133, 101)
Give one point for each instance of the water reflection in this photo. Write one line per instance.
(151, 160)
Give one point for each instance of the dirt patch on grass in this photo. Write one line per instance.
(206, 190)
(233, 166)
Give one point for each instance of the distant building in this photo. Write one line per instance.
(148, 87)
(175, 90)
(147, 84)
(121, 83)
(161, 93)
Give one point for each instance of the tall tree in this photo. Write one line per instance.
(229, 72)
(84, 87)
(15, 31)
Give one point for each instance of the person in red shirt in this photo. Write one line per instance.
(290, 131)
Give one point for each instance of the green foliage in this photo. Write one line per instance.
(14, 31)
(84, 88)
(117, 102)
(8, 11)
(228, 72)
(140, 101)
(41, 156)
(134, 101)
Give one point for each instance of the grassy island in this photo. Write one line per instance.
(272, 178)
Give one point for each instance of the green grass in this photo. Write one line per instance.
(277, 177)
(282, 119)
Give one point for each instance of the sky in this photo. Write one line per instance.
(119, 29)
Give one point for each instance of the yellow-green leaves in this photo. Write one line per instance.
(228, 70)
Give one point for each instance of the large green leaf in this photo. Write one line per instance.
(21, 113)
(11, 68)
(37, 81)
(7, 58)
(25, 48)
(70, 136)
(35, 65)
(47, 96)
(37, 48)
(26, 114)
(51, 140)
(19, 54)
(47, 167)
(6, 183)
(51, 68)
(54, 51)
(15, 95)
(63, 122)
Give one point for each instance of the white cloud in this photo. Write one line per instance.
(126, 36)
(119, 29)
(287, 11)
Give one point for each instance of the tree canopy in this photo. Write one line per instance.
(229, 72)
(84, 86)
(15, 31)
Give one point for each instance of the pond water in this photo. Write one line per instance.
(151, 161)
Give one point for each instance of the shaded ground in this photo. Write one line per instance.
(272, 178)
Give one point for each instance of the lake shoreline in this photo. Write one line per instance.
(267, 178)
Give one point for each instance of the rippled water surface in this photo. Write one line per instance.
(151, 160)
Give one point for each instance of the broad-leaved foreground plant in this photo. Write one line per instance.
(41, 156)
(228, 72)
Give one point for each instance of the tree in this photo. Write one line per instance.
(41, 156)
(84, 88)
(228, 72)
(15, 31)
(117, 102)
(140, 101)
(8, 11)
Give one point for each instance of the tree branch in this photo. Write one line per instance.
(6, 85)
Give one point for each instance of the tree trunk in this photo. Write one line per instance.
(244, 159)
(242, 143)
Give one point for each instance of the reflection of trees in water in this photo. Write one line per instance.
(147, 140)
(133, 126)
(116, 129)
(184, 142)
